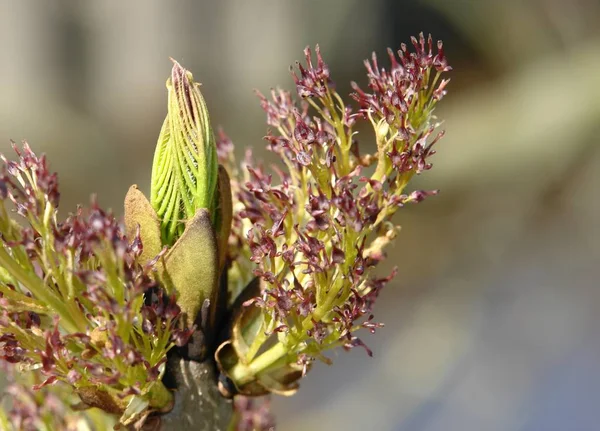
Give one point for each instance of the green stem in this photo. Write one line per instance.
(40, 291)
(345, 141)
(242, 374)
(160, 397)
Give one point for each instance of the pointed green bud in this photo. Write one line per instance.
(185, 169)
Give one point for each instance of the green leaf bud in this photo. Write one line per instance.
(185, 169)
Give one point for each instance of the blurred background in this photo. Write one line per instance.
(493, 322)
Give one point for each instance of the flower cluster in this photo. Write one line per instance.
(49, 408)
(251, 414)
(94, 306)
(77, 305)
(317, 229)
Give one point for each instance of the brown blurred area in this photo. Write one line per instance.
(492, 322)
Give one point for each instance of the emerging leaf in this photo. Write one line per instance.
(139, 214)
(184, 172)
(191, 266)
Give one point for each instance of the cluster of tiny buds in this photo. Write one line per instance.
(91, 277)
(253, 414)
(313, 81)
(79, 306)
(316, 230)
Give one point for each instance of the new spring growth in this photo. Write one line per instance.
(189, 211)
(96, 308)
(184, 172)
(77, 307)
(316, 231)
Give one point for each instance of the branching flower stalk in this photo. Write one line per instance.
(224, 267)
(44, 409)
(76, 304)
(317, 235)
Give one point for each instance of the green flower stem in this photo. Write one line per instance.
(160, 397)
(21, 301)
(4, 423)
(242, 374)
(42, 292)
(344, 141)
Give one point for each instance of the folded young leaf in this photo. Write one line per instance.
(139, 214)
(191, 266)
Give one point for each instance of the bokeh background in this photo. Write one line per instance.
(493, 321)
